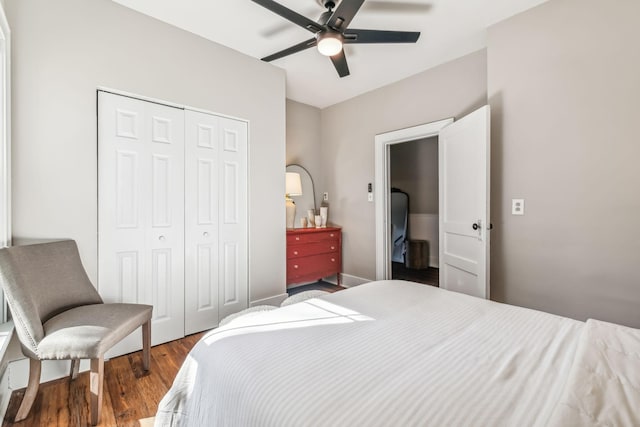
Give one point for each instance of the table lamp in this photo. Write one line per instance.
(293, 187)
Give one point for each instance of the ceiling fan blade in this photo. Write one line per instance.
(293, 49)
(377, 36)
(290, 15)
(396, 6)
(343, 15)
(340, 62)
(284, 26)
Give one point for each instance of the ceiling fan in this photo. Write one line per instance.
(331, 32)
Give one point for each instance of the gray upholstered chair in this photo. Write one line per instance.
(58, 314)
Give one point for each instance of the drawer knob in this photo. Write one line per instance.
(331, 235)
(333, 260)
(295, 266)
(295, 252)
(333, 247)
(297, 238)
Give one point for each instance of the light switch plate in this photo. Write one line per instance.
(370, 197)
(517, 206)
(325, 196)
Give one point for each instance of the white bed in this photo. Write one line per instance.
(394, 353)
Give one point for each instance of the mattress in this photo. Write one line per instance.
(387, 353)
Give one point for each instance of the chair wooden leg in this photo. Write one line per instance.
(75, 368)
(96, 380)
(146, 345)
(32, 389)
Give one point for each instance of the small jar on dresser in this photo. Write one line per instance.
(313, 253)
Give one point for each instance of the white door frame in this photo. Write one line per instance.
(382, 189)
(5, 143)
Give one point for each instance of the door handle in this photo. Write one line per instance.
(477, 226)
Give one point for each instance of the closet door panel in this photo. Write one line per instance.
(233, 274)
(201, 221)
(140, 212)
(121, 221)
(165, 236)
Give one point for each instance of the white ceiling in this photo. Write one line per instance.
(450, 29)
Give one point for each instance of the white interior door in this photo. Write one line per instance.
(233, 218)
(464, 167)
(141, 212)
(202, 146)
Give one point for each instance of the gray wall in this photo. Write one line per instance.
(304, 141)
(348, 130)
(564, 86)
(63, 50)
(414, 170)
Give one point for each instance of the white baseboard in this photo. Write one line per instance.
(275, 300)
(349, 281)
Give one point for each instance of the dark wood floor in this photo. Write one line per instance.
(429, 276)
(131, 396)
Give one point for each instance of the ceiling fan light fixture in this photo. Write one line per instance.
(330, 44)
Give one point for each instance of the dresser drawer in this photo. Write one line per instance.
(315, 264)
(297, 251)
(312, 237)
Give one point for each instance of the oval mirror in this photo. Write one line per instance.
(307, 200)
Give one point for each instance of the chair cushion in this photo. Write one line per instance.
(87, 332)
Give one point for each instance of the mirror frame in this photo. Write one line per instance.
(302, 212)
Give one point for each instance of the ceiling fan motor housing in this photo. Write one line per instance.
(328, 4)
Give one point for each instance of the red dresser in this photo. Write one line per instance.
(313, 253)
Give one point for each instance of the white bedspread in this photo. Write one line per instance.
(388, 353)
(604, 382)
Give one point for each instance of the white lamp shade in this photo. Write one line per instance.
(293, 184)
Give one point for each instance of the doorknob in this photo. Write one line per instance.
(477, 226)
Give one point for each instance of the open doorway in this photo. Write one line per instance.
(463, 212)
(384, 143)
(414, 231)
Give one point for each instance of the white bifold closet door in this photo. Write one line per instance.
(215, 220)
(141, 212)
(172, 214)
